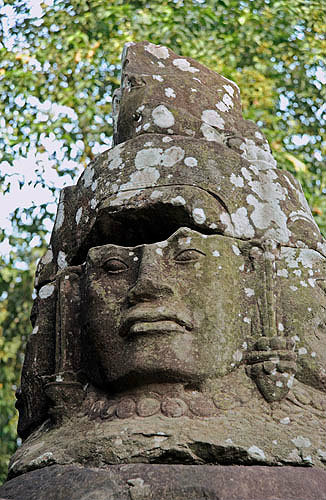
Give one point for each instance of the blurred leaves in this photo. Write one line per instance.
(57, 74)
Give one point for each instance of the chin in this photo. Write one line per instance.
(136, 376)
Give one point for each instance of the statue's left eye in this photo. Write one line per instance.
(190, 255)
(115, 265)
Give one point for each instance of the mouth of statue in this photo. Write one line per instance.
(141, 321)
(148, 327)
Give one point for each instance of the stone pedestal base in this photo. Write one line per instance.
(167, 482)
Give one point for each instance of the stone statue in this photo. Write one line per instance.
(180, 316)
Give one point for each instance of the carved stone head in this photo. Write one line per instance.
(183, 259)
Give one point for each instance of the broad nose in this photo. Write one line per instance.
(152, 281)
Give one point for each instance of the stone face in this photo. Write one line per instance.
(180, 315)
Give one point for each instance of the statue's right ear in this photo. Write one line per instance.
(52, 351)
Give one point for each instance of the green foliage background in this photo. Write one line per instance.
(71, 56)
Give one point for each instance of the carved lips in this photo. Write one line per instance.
(145, 320)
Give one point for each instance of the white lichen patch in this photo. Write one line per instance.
(302, 351)
(123, 196)
(194, 90)
(93, 203)
(311, 282)
(290, 381)
(267, 214)
(213, 225)
(169, 92)
(155, 195)
(78, 215)
(61, 260)
(247, 320)
(43, 459)
(94, 185)
(60, 213)
(199, 215)
(246, 174)
(259, 135)
(283, 273)
(167, 139)
(159, 251)
(249, 292)
(237, 180)
(236, 250)
(210, 133)
(301, 442)
(142, 178)
(157, 51)
(172, 156)
(322, 454)
(148, 158)
(178, 200)
(148, 144)
(229, 229)
(114, 159)
(221, 106)
(190, 161)
(88, 176)
(241, 224)
(158, 78)
(321, 247)
(229, 89)
(228, 101)
(146, 126)
(47, 258)
(46, 291)
(216, 253)
(285, 421)
(256, 453)
(162, 117)
(280, 327)
(212, 118)
(257, 155)
(184, 65)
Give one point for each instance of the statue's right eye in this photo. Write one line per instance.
(115, 265)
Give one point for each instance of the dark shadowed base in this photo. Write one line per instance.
(168, 482)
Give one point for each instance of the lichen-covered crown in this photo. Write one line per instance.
(181, 141)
